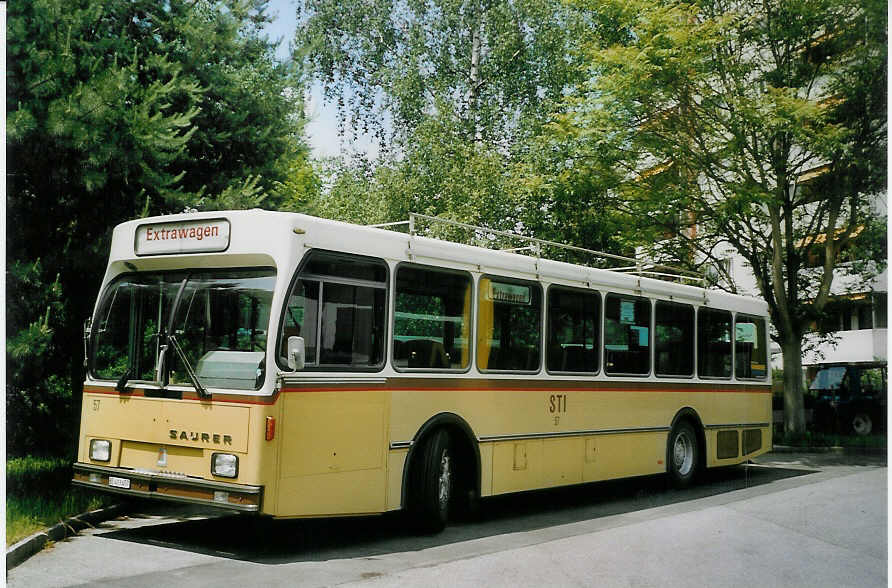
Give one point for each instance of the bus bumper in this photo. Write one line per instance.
(165, 486)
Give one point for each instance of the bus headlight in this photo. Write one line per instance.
(225, 465)
(100, 449)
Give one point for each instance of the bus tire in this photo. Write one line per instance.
(862, 424)
(432, 484)
(682, 455)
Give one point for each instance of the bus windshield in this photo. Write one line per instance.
(220, 321)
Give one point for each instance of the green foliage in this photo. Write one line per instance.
(352, 194)
(117, 109)
(39, 495)
(486, 65)
(31, 475)
(35, 390)
(716, 116)
(463, 88)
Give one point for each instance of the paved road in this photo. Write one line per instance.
(790, 520)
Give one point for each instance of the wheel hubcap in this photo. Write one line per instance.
(444, 480)
(862, 424)
(683, 454)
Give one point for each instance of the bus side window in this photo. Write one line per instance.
(750, 352)
(509, 318)
(674, 339)
(338, 306)
(432, 319)
(574, 328)
(713, 343)
(301, 318)
(626, 335)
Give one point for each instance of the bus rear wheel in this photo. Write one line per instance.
(432, 484)
(682, 455)
(862, 424)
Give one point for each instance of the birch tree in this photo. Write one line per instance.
(389, 65)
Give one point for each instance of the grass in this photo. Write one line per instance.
(819, 439)
(39, 494)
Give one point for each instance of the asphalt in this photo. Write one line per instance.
(791, 520)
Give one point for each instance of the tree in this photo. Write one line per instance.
(114, 110)
(249, 128)
(714, 115)
(457, 92)
(483, 64)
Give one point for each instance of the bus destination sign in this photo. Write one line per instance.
(202, 236)
(510, 293)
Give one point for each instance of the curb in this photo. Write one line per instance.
(21, 551)
(836, 450)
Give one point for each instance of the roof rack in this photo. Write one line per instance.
(439, 228)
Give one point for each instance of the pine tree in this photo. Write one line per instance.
(117, 109)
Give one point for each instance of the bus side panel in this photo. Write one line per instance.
(486, 464)
(517, 465)
(536, 463)
(396, 462)
(751, 405)
(623, 455)
(333, 453)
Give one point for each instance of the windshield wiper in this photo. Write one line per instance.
(122, 383)
(202, 391)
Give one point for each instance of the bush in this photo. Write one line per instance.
(39, 494)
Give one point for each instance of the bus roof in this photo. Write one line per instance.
(266, 238)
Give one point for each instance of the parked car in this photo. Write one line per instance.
(850, 397)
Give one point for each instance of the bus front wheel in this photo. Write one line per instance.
(432, 484)
(682, 455)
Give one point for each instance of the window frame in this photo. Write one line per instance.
(729, 377)
(599, 328)
(509, 280)
(281, 361)
(693, 373)
(472, 331)
(650, 337)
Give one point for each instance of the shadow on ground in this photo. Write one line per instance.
(262, 540)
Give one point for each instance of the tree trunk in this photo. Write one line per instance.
(474, 77)
(794, 409)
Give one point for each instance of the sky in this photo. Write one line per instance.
(321, 131)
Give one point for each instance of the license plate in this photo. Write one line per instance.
(118, 482)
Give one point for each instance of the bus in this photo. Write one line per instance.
(293, 366)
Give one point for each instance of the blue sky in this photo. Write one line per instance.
(322, 128)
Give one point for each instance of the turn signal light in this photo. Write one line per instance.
(270, 428)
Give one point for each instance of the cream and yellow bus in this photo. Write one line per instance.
(292, 366)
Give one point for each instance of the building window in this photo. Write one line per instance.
(865, 316)
(879, 312)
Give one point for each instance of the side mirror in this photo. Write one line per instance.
(296, 353)
(88, 326)
(162, 359)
